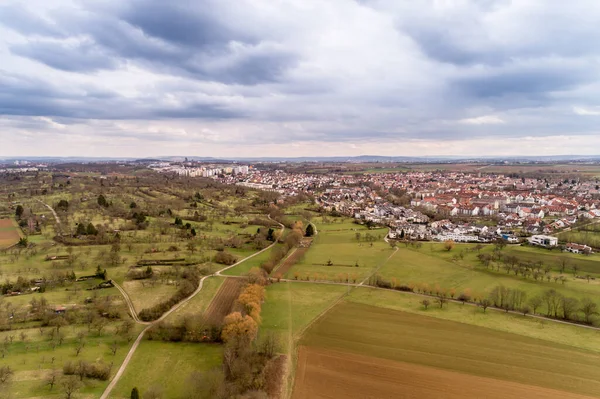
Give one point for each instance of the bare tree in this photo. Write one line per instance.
(114, 347)
(52, 378)
(485, 303)
(70, 386)
(79, 347)
(6, 374)
(535, 303)
(589, 309)
(425, 303)
(441, 300)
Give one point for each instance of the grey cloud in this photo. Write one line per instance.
(26, 96)
(169, 37)
(79, 57)
(527, 81)
(23, 20)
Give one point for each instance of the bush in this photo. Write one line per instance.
(98, 371)
(225, 258)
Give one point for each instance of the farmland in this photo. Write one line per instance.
(332, 374)
(223, 301)
(437, 344)
(9, 233)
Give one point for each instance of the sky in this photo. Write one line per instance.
(259, 78)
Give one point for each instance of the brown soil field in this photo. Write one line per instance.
(323, 373)
(426, 341)
(223, 301)
(9, 233)
(290, 261)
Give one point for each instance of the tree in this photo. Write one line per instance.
(425, 303)
(310, 230)
(63, 205)
(441, 300)
(191, 246)
(563, 262)
(525, 310)
(19, 211)
(132, 205)
(102, 201)
(135, 394)
(79, 347)
(6, 374)
(535, 303)
(238, 327)
(91, 230)
(114, 347)
(70, 385)
(485, 303)
(51, 378)
(81, 231)
(589, 308)
(448, 245)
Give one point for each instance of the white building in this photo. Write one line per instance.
(543, 241)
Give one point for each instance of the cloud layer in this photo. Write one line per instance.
(298, 77)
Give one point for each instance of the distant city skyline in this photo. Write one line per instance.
(148, 78)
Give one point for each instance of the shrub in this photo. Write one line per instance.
(225, 258)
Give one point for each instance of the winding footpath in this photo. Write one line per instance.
(58, 224)
(135, 317)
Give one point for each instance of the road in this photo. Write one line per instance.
(135, 345)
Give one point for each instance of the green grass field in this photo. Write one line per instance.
(419, 267)
(344, 252)
(444, 344)
(167, 366)
(290, 306)
(198, 304)
(579, 337)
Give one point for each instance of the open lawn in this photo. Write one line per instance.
(459, 347)
(167, 367)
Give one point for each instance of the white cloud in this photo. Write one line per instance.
(483, 120)
(586, 111)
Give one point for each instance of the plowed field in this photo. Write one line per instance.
(9, 233)
(325, 373)
(223, 301)
(386, 335)
(290, 261)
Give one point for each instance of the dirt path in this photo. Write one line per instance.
(130, 305)
(135, 345)
(58, 224)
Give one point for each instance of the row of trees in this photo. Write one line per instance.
(550, 303)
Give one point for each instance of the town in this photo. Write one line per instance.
(462, 207)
